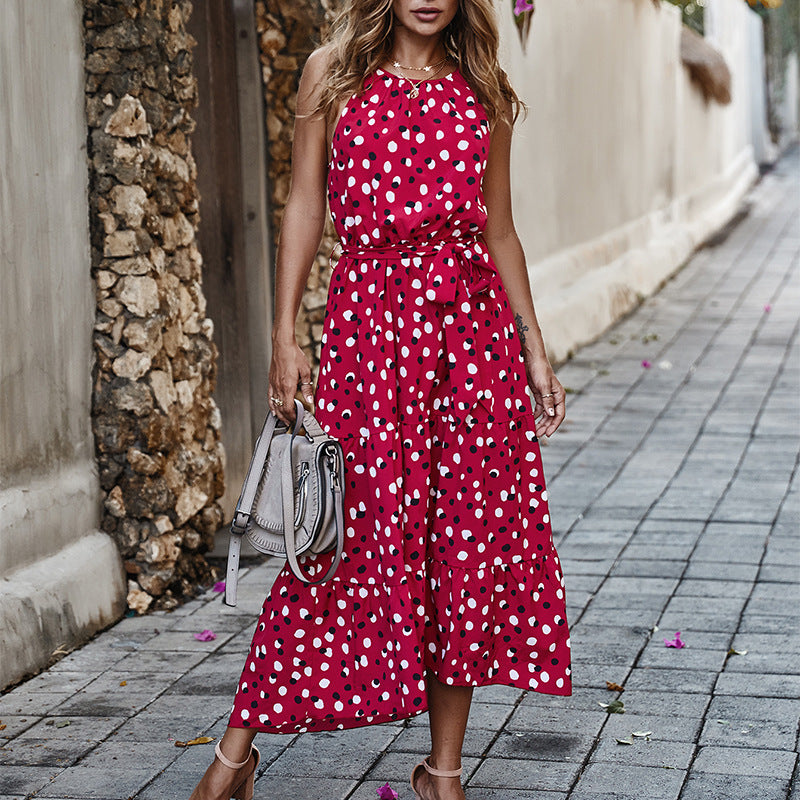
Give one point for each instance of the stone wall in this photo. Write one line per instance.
(156, 426)
(288, 32)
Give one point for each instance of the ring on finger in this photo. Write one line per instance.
(546, 395)
(277, 401)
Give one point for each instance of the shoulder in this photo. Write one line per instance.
(313, 80)
(318, 64)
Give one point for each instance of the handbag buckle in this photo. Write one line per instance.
(333, 463)
(239, 524)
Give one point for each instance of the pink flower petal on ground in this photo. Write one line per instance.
(519, 9)
(646, 364)
(386, 793)
(219, 586)
(205, 636)
(676, 642)
(767, 308)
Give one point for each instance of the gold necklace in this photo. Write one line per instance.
(414, 93)
(426, 68)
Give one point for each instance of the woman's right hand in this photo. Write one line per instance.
(289, 371)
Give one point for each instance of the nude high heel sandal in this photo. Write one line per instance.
(244, 791)
(439, 773)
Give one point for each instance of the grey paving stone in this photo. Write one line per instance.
(721, 571)
(644, 752)
(321, 755)
(745, 761)
(543, 746)
(170, 718)
(217, 674)
(588, 675)
(417, 740)
(601, 779)
(671, 680)
(641, 586)
(647, 604)
(720, 605)
(120, 754)
(686, 658)
(529, 718)
(42, 753)
(25, 780)
(707, 786)
(678, 703)
(59, 682)
(769, 643)
(710, 590)
(647, 568)
(733, 708)
(758, 663)
(154, 661)
(727, 622)
(105, 702)
(119, 682)
(97, 782)
(741, 684)
(758, 733)
(506, 773)
(310, 788)
(778, 573)
(184, 641)
(663, 727)
(505, 695)
(486, 793)
(67, 730)
(22, 703)
(15, 725)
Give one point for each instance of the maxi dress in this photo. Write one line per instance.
(449, 564)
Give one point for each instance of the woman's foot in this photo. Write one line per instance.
(431, 786)
(225, 779)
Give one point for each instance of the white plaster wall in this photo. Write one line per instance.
(621, 168)
(61, 578)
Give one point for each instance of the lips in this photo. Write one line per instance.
(426, 13)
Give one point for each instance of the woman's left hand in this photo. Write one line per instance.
(548, 394)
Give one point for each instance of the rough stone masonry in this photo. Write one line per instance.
(287, 33)
(156, 426)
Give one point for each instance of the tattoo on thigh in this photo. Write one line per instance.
(521, 327)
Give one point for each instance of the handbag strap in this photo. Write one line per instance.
(287, 497)
(241, 517)
(244, 506)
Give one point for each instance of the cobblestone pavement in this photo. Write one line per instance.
(675, 502)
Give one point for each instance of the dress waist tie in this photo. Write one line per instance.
(451, 268)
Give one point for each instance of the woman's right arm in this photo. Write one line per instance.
(299, 240)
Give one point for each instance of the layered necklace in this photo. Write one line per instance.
(430, 70)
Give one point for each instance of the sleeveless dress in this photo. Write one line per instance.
(449, 563)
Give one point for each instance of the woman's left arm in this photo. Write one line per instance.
(506, 250)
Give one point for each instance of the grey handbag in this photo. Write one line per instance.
(292, 501)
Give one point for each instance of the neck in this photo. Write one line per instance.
(414, 50)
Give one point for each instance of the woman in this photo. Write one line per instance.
(450, 579)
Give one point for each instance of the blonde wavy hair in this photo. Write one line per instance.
(362, 36)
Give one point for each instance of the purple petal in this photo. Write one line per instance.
(646, 364)
(386, 793)
(219, 586)
(205, 636)
(676, 642)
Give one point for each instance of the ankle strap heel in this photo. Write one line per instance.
(441, 773)
(226, 761)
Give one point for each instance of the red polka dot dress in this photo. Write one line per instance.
(449, 562)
